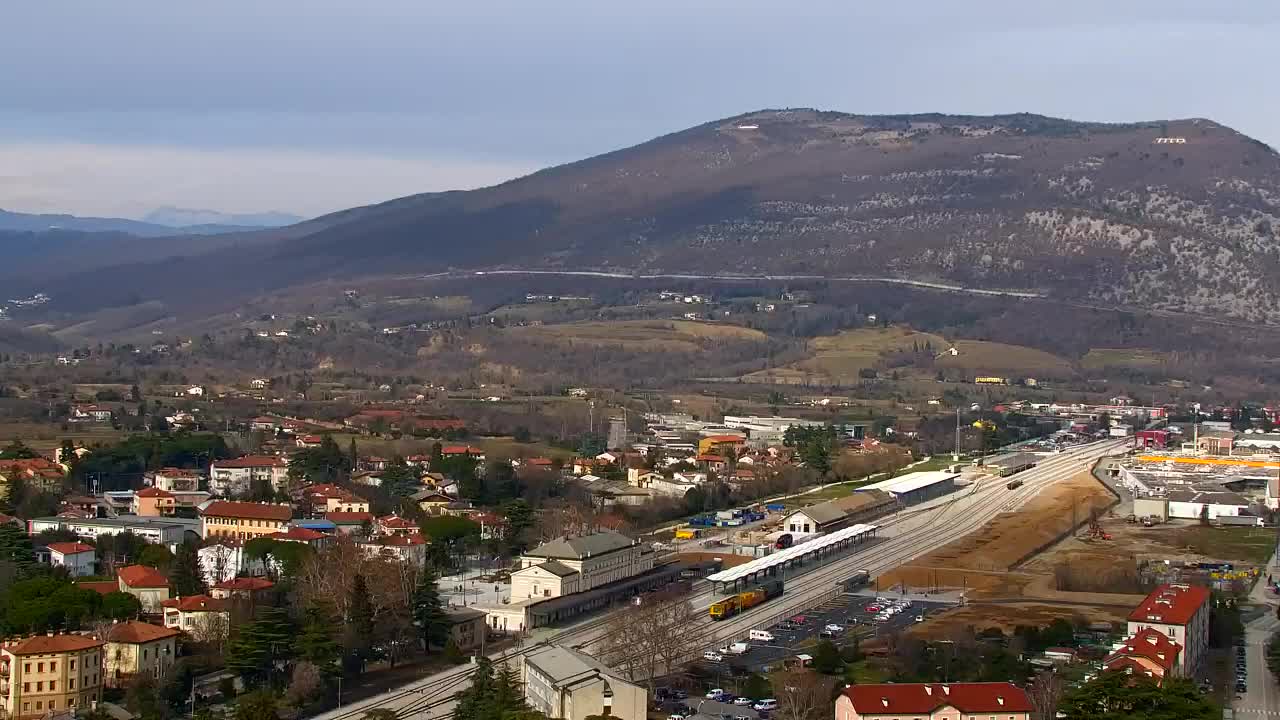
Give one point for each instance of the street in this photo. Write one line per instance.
(1263, 697)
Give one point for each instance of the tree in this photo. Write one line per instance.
(257, 705)
(185, 575)
(756, 686)
(17, 450)
(156, 556)
(1121, 696)
(143, 699)
(476, 702)
(826, 658)
(15, 548)
(1046, 694)
(305, 685)
(261, 644)
(428, 611)
(801, 695)
(120, 606)
(399, 480)
(359, 621)
(316, 643)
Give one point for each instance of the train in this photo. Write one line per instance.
(735, 604)
(1014, 484)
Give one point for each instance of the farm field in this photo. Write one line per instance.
(994, 358)
(1136, 358)
(670, 335)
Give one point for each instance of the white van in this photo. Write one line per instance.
(761, 635)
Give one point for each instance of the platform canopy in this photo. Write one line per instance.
(792, 553)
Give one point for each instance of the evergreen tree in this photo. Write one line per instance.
(353, 456)
(316, 643)
(428, 611)
(359, 622)
(184, 573)
(257, 705)
(254, 652)
(476, 702)
(508, 693)
(15, 548)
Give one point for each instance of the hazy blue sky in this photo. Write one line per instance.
(308, 106)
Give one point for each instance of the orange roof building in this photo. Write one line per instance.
(933, 701)
(1180, 612)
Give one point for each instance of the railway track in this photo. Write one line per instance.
(907, 535)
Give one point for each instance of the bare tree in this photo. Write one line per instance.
(1045, 693)
(802, 695)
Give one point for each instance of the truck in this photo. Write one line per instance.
(688, 533)
(1014, 484)
(736, 649)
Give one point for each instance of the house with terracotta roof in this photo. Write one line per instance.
(1181, 613)
(154, 502)
(40, 473)
(350, 522)
(1149, 653)
(78, 558)
(394, 525)
(933, 701)
(309, 441)
(432, 503)
(316, 539)
(137, 648)
(173, 479)
(243, 520)
(145, 583)
(462, 451)
(202, 617)
(406, 548)
(242, 588)
(329, 498)
(237, 476)
(49, 674)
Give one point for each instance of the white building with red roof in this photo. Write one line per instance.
(933, 701)
(406, 548)
(1149, 652)
(78, 558)
(1181, 613)
(145, 583)
(394, 525)
(237, 476)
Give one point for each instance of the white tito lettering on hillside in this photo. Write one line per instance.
(1171, 141)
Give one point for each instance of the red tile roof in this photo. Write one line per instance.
(141, 576)
(70, 548)
(460, 450)
(1151, 644)
(134, 632)
(298, 534)
(102, 587)
(249, 584)
(924, 698)
(254, 511)
(153, 493)
(538, 461)
(1171, 604)
(252, 461)
(177, 472)
(196, 603)
(403, 540)
(349, 517)
(395, 522)
(43, 644)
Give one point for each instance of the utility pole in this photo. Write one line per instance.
(956, 457)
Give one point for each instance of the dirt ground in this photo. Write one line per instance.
(1007, 616)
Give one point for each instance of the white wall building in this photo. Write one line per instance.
(563, 683)
(567, 565)
(1191, 503)
(236, 477)
(77, 558)
(1181, 612)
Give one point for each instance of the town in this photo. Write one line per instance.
(752, 565)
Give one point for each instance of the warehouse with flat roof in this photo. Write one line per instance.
(915, 487)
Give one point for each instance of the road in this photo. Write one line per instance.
(905, 536)
(1263, 698)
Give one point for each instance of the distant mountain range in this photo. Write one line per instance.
(158, 223)
(1176, 215)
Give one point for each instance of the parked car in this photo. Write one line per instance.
(766, 705)
(834, 627)
(715, 694)
(712, 656)
(743, 701)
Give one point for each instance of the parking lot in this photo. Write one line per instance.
(799, 634)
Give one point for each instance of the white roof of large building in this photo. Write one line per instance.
(911, 481)
(768, 561)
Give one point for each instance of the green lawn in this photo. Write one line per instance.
(1253, 545)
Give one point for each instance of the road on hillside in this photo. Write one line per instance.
(906, 535)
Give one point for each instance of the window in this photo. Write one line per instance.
(71, 702)
(40, 686)
(52, 703)
(26, 707)
(53, 685)
(39, 667)
(26, 667)
(71, 684)
(53, 667)
(73, 665)
(39, 704)
(26, 687)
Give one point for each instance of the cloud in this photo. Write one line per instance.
(130, 180)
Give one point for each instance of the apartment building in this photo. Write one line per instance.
(237, 476)
(564, 566)
(49, 674)
(1181, 613)
(561, 682)
(243, 520)
(136, 648)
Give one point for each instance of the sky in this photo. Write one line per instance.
(311, 106)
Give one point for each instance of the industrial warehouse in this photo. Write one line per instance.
(915, 487)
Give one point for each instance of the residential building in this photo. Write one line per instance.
(225, 560)
(1149, 652)
(933, 701)
(316, 539)
(564, 566)
(406, 548)
(77, 558)
(202, 617)
(39, 473)
(49, 674)
(242, 588)
(329, 498)
(243, 520)
(90, 413)
(173, 480)
(350, 522)
(840, 513)
(467, 628)
(237, 476)
(136, 648)
(561, 682)
(161, 531)
(1181, 613)
(395, 525)
(154, 502)
(145, 583)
